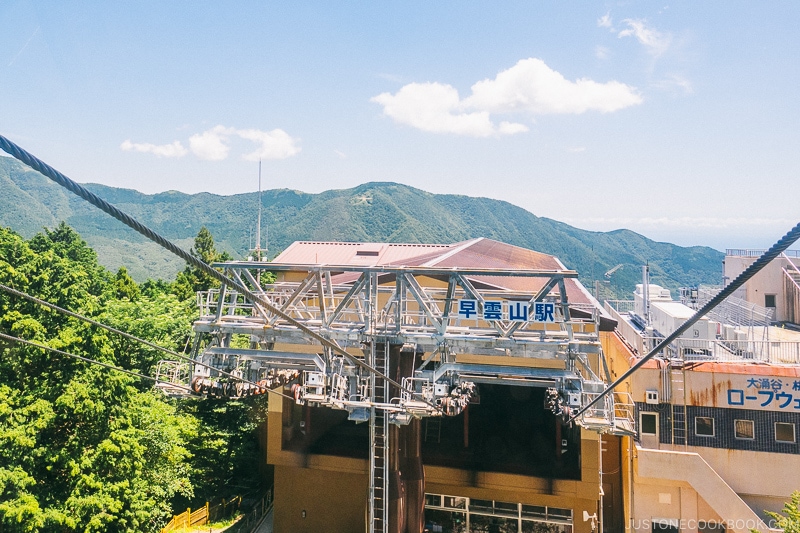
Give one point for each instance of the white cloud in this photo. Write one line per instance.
(340, 154)
(675, 83)
(174, 149)
(656, 42)
(533, 87)
(601, 52)
(437, 108)
(275, 144)
(211, 145)
(604, 21)
(529, 87)
(215, 144)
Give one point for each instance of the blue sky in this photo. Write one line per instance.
(676, 120)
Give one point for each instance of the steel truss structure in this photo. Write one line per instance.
(358, 307)
(385, 317)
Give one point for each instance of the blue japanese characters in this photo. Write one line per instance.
(513, 311)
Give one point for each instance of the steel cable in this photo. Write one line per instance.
(88, 360)
(776, 249)
(67, 312)
(56, 176)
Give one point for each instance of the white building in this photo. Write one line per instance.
(718, 420)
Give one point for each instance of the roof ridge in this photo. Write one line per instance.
(464, 246)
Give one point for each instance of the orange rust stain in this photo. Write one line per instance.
(710, 397)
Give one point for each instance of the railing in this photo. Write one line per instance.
(717, 350)
(436, 314)
(731, 351)
(627, 332)
(745, 252)
(253, 517)
(203, 515)
(187, 519)
(621, 306)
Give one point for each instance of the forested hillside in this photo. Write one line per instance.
(85, 448)
(370, 212)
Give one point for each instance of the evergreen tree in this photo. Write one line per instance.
(192, 279)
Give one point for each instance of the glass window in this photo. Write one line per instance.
(491, 524)
(704, 426)
(744, 429)
(648, 423)
(666, 526)
(455, 502)
(530, 526)
(534, 511)
(508, 509)
(481, 506)
(784, 432)
(433, 500)
(445, 521)
(769, 300)
(554, 513)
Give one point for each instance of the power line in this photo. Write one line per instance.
(44, 303)
(87, 360)
(776, 249)
(72, 186)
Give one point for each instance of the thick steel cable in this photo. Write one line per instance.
(88, 360)
(67, 312)
(776, 249)
(46, 170)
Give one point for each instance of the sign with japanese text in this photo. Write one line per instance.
(513, 311)
(765, 393)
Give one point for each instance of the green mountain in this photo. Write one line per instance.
(370, 212)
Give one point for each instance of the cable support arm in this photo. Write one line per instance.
(72, 186)
(777, 249)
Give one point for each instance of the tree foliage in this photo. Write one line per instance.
(192, 279)
(84, 448)
(789, 520)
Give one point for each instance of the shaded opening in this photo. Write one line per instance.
(506, 430)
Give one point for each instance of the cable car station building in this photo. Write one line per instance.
(488, 348)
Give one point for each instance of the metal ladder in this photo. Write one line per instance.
(379, 448)
(433, 429)
(678, 405)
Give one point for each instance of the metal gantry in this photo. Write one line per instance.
(356, 307)
(365, 310)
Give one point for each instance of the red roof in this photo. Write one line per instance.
(475, 253)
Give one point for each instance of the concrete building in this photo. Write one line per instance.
(718, 419)
(508, 344)
(776, 287)
(427, 386)
(505, 464)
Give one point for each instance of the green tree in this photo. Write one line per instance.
(193, 279)
(126, 287)
(81, 448)
(789, 521)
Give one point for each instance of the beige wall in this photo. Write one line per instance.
(768, 281)
(331, 502)
(333, 490)
(654, 501)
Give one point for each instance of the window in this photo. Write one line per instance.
(784, 432)
(666, 526)
(648, 422)
(769, 300)
(744, 429)
(704, 426)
